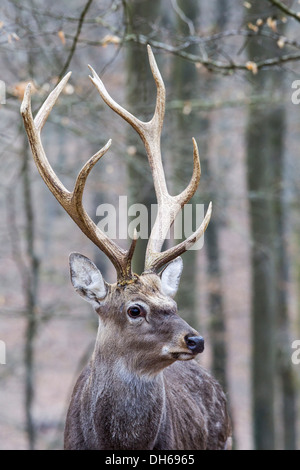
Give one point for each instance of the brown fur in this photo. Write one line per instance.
(135, 396)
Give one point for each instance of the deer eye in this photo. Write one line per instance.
(135, 312)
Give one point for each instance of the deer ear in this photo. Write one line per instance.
(170, 277)
(87, 279)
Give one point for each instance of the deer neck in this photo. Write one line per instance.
(120, 397)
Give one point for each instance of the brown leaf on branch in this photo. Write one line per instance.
(281, 42)
(18, 89)
(272, 24)
(253, 27)
(110, 39)
(61, 36)
(252, 66)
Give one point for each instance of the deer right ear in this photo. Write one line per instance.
(86, 278)
(170, 277)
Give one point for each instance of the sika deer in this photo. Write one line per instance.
(142, 388)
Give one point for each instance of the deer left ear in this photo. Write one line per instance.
(170, 277)
(86, 278)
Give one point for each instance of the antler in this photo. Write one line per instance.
(168, 206)
(72, 201)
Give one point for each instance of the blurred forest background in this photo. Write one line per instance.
(228, 67)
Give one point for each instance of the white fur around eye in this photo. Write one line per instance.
(170, 277)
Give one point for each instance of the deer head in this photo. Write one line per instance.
(144, 310)
(142, 305)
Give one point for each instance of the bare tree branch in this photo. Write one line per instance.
(75, 40)
(214, 65)
(183, 17)
(217, 65)
(285, 9)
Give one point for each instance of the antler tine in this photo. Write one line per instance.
(161, 91)
(149, 132)
(72, 201)
(33, 132)
(168, 206)
(126, 115)
(156, 260)
(190, 190)
(142, 128)
(46, 108)
(84, 173)
(168, 211)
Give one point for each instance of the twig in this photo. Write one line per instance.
(75, 40)
(244, 33)
(285, 9)
(206, 62)
(183, 17)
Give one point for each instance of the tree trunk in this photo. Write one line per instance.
(186, 84)
(140, 98)
(259, 164)
(31, 288)
(270, 320)
(284, 365)
(185, 126)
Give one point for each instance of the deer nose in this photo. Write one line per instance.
(195, 344)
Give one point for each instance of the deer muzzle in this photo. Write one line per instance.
(195, 344)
